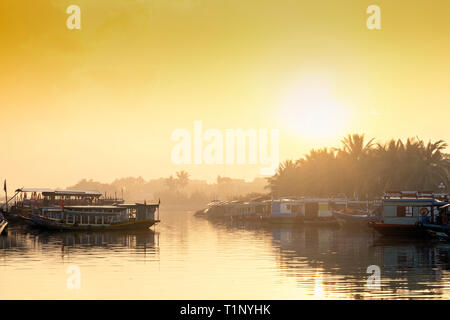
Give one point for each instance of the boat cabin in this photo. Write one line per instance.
(42, 197)
(409, 207)
(100, 215)
(285, 208)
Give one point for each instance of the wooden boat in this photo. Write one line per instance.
(104, 217)
(3, 224)
(404, 213)
(353, 219)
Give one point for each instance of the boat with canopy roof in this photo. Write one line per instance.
(81, 210)
(96, 217)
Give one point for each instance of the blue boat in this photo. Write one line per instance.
(438, 226)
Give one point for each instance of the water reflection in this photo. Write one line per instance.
(334, 262)
(25, 238)
(193, 258)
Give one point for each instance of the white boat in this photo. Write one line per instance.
(404, 212)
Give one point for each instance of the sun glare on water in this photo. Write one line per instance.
(311, 111)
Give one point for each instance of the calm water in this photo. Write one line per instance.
(192, 258)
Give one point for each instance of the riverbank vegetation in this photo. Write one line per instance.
(362, 168)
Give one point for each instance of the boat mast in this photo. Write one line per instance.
(6, 196)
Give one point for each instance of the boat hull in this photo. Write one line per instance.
(352, 221)
(126, 225)
(319, 222)
(402, 230)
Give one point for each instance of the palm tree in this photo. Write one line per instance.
(432, 167)
(365, 168)
(388, 166)
(355, 147)
(354, 157)
(171, 183)
(182, 178)
(284, 180)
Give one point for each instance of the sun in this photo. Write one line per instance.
(310, 110)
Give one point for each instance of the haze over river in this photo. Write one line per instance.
(187, 257)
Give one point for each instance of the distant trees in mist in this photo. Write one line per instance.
(175, 189)
(359, 167)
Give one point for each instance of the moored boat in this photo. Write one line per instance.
(439, 227)
(287, 210)
(403, 213)
(353, 219)
(96, 217)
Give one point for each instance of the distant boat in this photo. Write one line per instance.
(286, 210)
(3, 224)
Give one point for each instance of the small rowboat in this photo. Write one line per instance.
(353, 220)
(442, 236)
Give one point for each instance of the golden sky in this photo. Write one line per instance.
(102, 102)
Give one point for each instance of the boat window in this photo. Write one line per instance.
(409, 211)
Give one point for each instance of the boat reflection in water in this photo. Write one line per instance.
(22, 237)
(335, 261)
